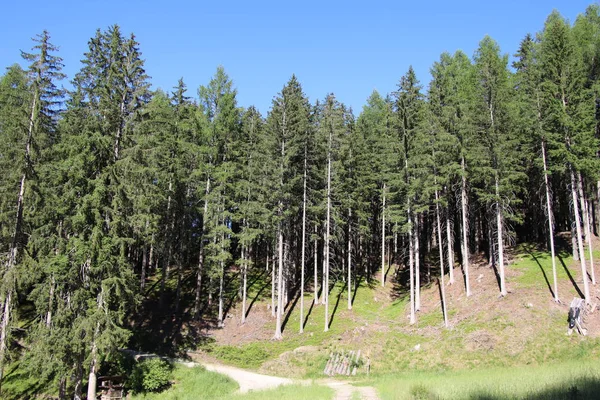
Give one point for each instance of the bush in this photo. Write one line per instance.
(151, 375)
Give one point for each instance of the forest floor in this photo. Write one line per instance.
(526, 327)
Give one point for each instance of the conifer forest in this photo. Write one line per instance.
(119, 203)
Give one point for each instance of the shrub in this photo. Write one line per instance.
(151, 375)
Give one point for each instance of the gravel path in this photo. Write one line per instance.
(253, 381)
(249, 380)
(344, 391)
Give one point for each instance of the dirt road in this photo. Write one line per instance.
(253, 381)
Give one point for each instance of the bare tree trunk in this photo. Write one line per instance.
(50, 302)
(598, 206)
(244, 283)
(144, 266)
(550, 222)
(91, 392)
(383, 238)
(201, 253)
(586, 288)
(273, 282)
(78, 389)
(586, 222)
(449, 243)
(303, 254)
(316, 268)
(349, 259)
(417, 264)
(411, 268)
(327, 230)
(500, 238)
(278, 334)
(441, 251)
(62, 388)
(221, 279)
(465, 243)
(7, 305)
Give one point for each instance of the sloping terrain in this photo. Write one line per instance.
(526, 327)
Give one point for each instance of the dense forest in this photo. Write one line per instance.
(118, 202)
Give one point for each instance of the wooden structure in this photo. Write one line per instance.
(111, 387)
(576, 316)
(343, 363)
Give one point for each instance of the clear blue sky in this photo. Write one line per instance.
(332, 46)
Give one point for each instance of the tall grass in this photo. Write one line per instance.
(568, 380)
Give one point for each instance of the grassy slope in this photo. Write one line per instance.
(525, 328)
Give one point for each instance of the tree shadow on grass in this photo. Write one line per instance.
(570, 276)
(312, 305)
(532, 251)
(337, 302)
(289, 311)
(256, 298)
(357, 283)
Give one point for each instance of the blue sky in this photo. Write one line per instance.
(332, 46)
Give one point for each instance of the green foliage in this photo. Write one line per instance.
(150, 375)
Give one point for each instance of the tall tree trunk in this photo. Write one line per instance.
(279, 311)
(221, 281)
(411, 266)
(417, 264)
(441, 252)
(465, 243)
(91, 392)
(586, 221)
(78, 378)
(7, 306)
(244, 283)
(316, 268)
(449, 244)
(550, 222)
(302, 252)
(500, 238)
(50, 302)
(586, 288)
(327, 237)
(144, 267)
(201, 253)
(349, 282)
(273, 282)
(383, 238)
(278, 334)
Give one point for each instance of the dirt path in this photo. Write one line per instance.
(249, 380)
(253, 381)
(344, 390)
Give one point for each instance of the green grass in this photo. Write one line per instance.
(198, 383)
(194, 383)
(565, 380)
(290, 392)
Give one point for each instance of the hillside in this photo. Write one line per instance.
(524, 328)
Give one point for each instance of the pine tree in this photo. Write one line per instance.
(34, 109)
(567, 115)
(501, 169)
(218, 101)
(408, 106)
(287, 126)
